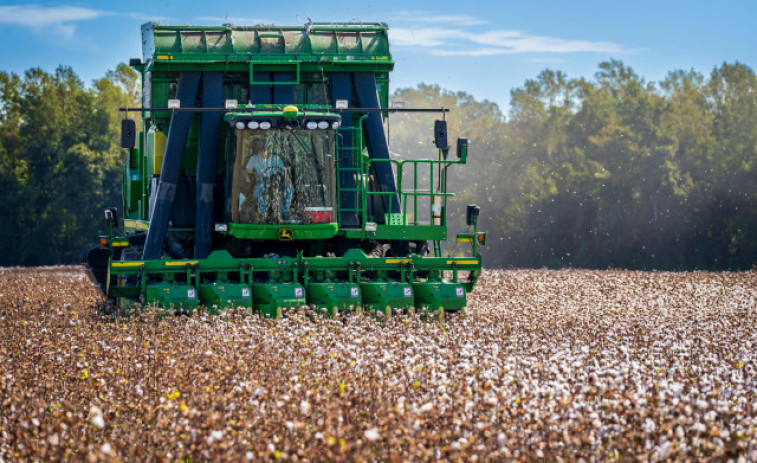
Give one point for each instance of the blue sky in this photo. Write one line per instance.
(485, 48)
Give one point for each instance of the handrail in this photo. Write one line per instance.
(415, 192)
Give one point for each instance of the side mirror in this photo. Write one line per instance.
(128, 133)
(462, 149)
(111, 215)
(440, 134)
(471, 214)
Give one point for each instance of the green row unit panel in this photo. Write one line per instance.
(343, 296)
(176, 296)
(434, 294)
(271, 298)
(224, 294)
(378, 295)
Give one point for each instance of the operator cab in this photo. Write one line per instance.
(284, 168)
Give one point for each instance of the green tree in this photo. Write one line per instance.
(59, 162)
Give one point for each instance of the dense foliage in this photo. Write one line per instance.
(614, 172)
(59, 161)
(609, 172)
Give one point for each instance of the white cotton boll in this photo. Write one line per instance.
(305, 407)
(249, 456)
(662, 450)
(676, 389)
(214, 437)
(426, 407)
(649, 426)
(106, 448)
(501, 438)
(98, 421)
(96, 415)
(372, 434)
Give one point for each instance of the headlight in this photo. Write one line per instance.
(323, 125)
(253, 125)
(335, 125)
(311, 125)
(265, 125)
(239, 125)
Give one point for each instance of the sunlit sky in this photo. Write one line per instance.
(485, 48)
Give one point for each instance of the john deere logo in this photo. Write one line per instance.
(285, 234)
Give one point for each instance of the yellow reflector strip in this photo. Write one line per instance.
(135, 224)
(464, 240)
(462, 262)
(120, 244)
(181, 263)
(126, 264)
(164, 57)
(397, 261)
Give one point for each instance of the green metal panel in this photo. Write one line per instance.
(271, 232)
(343, 296)
(224, 294)
(434, 294)
(324, 43)
(269, 299)
(378, 295)
(400, 232)
(176, 296)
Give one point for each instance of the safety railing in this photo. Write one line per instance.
(410, 197)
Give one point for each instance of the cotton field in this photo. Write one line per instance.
(546, 365)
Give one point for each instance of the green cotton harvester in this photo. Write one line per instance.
(262, 178)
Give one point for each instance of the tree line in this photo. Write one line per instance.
(613, 172)
(60, 163)
(606, 172)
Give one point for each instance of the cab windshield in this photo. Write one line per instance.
(283, 177)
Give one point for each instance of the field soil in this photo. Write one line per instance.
(546, 365)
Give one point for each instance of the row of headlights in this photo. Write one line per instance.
(265, 125)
